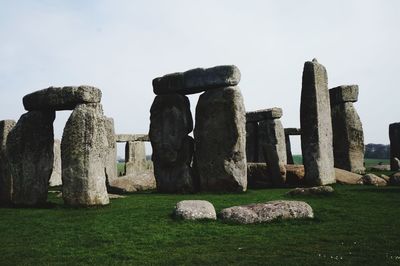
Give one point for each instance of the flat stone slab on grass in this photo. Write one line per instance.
(267, 212)
(371, 179)
(347, 178)
(320, 190)
(194, 210)
(197, 80)
(61, 98)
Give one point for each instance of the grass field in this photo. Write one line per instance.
(358, 225)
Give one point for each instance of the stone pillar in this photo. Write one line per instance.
(220, 137)
(84, 148)
(55, 179)
(170, 124)
(394, 135)
(111, 156)
(290, 132)
(135, 157)
(29, 150)
(251, 142)
(348, 136)
(316, 125)
(5, 176)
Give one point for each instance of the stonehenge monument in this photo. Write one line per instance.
(5, 176)
(135, 152)
(217, 152)
(316, 125)
(394, 136)
(290, 132)
(348, 136)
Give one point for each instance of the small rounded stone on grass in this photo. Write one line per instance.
(194, 210)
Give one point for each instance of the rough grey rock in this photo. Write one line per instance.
(64, 98)
(371, 179)
(135, 157)
(316, 126)
(395, 179)
(130, 137)
(381, 167)
(267, 212)
(84, 148)
(29, 151)
(55, 178)
(320, 190)
(386, 178)
(394, 136)
(170, 123)
(257, 176)
(348, 178)
(348, 135)
(220, 136)
(139, 181)
(275, 168)
(194, 210)
(271, 131)
(111, 155)
(5, 176)
(264, 114)
(290, 132)
(251, 142)
(197, 80)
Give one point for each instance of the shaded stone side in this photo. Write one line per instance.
(55, 178)
(29, 150)
(220, 140)
(5, 176)
(348, 138)
(289, 154)
(111, 156)
(271, 132)
(394, 136)
(170, 124)
(135, 157)
(84, 148)
(316, 125)
(251, 142)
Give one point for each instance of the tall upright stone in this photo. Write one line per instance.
(55, 179)
(84, 148)
(394, 136)
(111, 156)
(348, 135)
(170, 124)
(135, 157)
(316, 125)
(5, 176)
(220, 136)
(251, 141)
(290, 132)
(29, 150)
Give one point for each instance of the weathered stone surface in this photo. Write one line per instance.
(135, 157)
(197, 80)
(111, 154)
(381, 167)
(295, 175)
(320, 190)
(130, 137)
(84, 148)
(139, 181)
(348, 135)
(55, 178)
(271, 132)
(275, 168)
(394, 135)
(257, 176)
(170, 123)
(386, 178)
(343, 94)
(292, 131)
(347, 178)
(371, 179)
(194, 210)
(61, 98)
(220, 135)
(264, 114)
(251, 142)
(316, 125)
(267, 212)
(395, 179)
(5, 176)
(29, 150)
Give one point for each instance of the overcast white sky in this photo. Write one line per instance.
(120, 46)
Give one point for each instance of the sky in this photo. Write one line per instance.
(120, 46)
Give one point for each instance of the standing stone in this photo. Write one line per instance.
(170, 124)
(290, 132)
(348, 136)
(394, 136)
(316, 125)
(84, 148)
(55, 179)
(220, 137)
(251, 142)
(30, 146)
(5, 176)
(111, 156)
(135, 157)
(275, 169)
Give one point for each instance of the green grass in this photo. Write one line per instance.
(357, 225)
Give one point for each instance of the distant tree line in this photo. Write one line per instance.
(377, 151)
